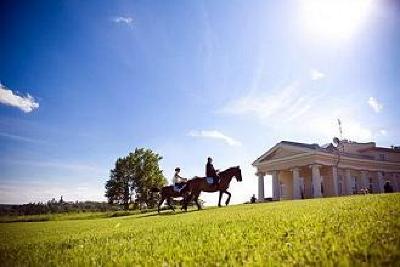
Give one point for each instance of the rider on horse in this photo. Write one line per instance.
(211, 172)
(178, 181)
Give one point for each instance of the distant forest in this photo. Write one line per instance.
(53, 206)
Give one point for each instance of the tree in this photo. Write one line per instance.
(134, 175)
(113, 191)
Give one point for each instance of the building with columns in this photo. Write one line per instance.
(301, 170)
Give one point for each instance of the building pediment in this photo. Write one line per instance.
(280, 151)
(286, 155)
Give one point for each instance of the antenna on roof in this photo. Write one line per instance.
(340, 128)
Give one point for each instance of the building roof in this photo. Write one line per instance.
(382, 149)
(309, 146)
(331, 149)
(287, 154)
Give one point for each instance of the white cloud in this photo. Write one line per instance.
(352, 129)
(375, 104)
(300, 112)
(383, 132)
(69, 166)
(125, 20)
(25, 103)
(316, 75)
(286, 104)
(20, 138)
(214, 134)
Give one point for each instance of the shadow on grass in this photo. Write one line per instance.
(167, 213)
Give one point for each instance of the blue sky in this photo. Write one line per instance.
(85, 82)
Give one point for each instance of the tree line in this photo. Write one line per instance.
(129, 186)
(55, 207)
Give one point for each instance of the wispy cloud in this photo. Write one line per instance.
(290, 101)
(69, 166)
(20, 138)
(292, 111)
(326, 126)
(123, 20)
(25, 103)
(375, 104)
(383, 132)
(316, 75)
(215, 134)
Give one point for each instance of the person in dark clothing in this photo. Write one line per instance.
(387, 188)
(210, 171)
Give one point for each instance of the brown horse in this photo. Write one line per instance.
(168, 193)
(199, 184)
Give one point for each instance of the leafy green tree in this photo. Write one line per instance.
(134, 176)
(113, 193)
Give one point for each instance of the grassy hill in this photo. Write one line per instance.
(349, 231)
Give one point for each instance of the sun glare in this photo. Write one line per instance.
(334, 19)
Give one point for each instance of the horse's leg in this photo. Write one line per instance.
(229, 197)
(160, 203)
(169, 204)
(196, 198)
(220, 197)
(188, 199)
(185, 202)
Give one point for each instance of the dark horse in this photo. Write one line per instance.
(199, 184)
(168, 193)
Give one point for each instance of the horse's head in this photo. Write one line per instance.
(233, 172)
(238, 173)
(230, 173)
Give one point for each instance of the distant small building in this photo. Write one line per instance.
(302, 170)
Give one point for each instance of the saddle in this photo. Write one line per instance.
(179, 187)
(210, 180)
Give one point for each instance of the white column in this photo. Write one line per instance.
(364, 179)
(348, 182)
(380, 182)
(296, 183)
(316, 180)
(275, 186)
(395, 182)
(260, 185)
(392, 181)
(335, 181)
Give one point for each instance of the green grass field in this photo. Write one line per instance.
(87, 215)
(348, 231)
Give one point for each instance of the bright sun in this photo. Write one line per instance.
(334, 18)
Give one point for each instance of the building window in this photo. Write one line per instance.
(382, 156)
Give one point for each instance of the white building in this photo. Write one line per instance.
(301, 170)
